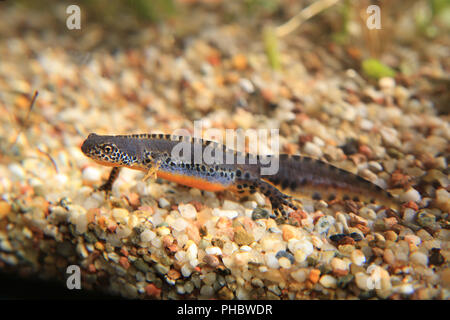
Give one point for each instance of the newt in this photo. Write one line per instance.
(297, 175)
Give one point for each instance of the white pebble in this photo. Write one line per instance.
(339, 264)
(406, 288)
(17, 171)
(284, 262)
(312, 149)
(271, 260)
(230, 214)
(186, 270)
(413, 239)
(120, 215)
(180, 256)
(363, 281)
(411, 195)
(187, 211)
(156, 242)
(91, 174)
(375, 166)
(164, 203)
(245, 248)
(358, 257)
(299, 275)
(77, 216)
(328, 281)
(192, 252)
(179, 224)
(304, 245)
(323, 224)
(366, 125)
(386, 83)
(246, 85)
(214, 251)
(419, 258)
(147, 235)
(230, 205)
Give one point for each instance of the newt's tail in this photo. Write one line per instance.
(300, 176)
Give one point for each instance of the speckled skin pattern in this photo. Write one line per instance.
(297, 175)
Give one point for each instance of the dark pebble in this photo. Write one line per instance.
(286, 254)
(337, 237)
(436, 258)
(350, 147)
(356, 236)
(259, 213)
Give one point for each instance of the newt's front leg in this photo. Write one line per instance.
(152, 170)
(107, 186)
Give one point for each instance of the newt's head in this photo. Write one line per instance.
(109, 150)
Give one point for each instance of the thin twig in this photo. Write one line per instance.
(307, 13)
(24, 122)
(50, 158)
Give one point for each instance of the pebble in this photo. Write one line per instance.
(211, 260)
(323, 224)
(314, 275)
(411, 195)
(339, 266)
(192, 252)
(246, 85)
(289, 232)
(147, 235)
(409, 215)
(312, 149)
(163, 203)
(328, 281)
(242, 237)
(91, 175)
(5, 208)
(271, 260)
(120, 215)
(413, 239)
(304, 245)
(375, 166)
(214, 251)
(388, 256)
(284, 254)
(443, 200)
(187, 211)
(300, 275)
(230, 214)
(419, 258)
(390, 235)
(179, 224)
(386, 83)
(358, 257)
(77, 216)
(363, 281)
(285, 262)
(186, 270)
(425, 218)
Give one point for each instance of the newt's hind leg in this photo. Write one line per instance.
(107, 186)
(277, 198)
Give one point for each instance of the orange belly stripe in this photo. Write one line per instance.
(191, 181)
